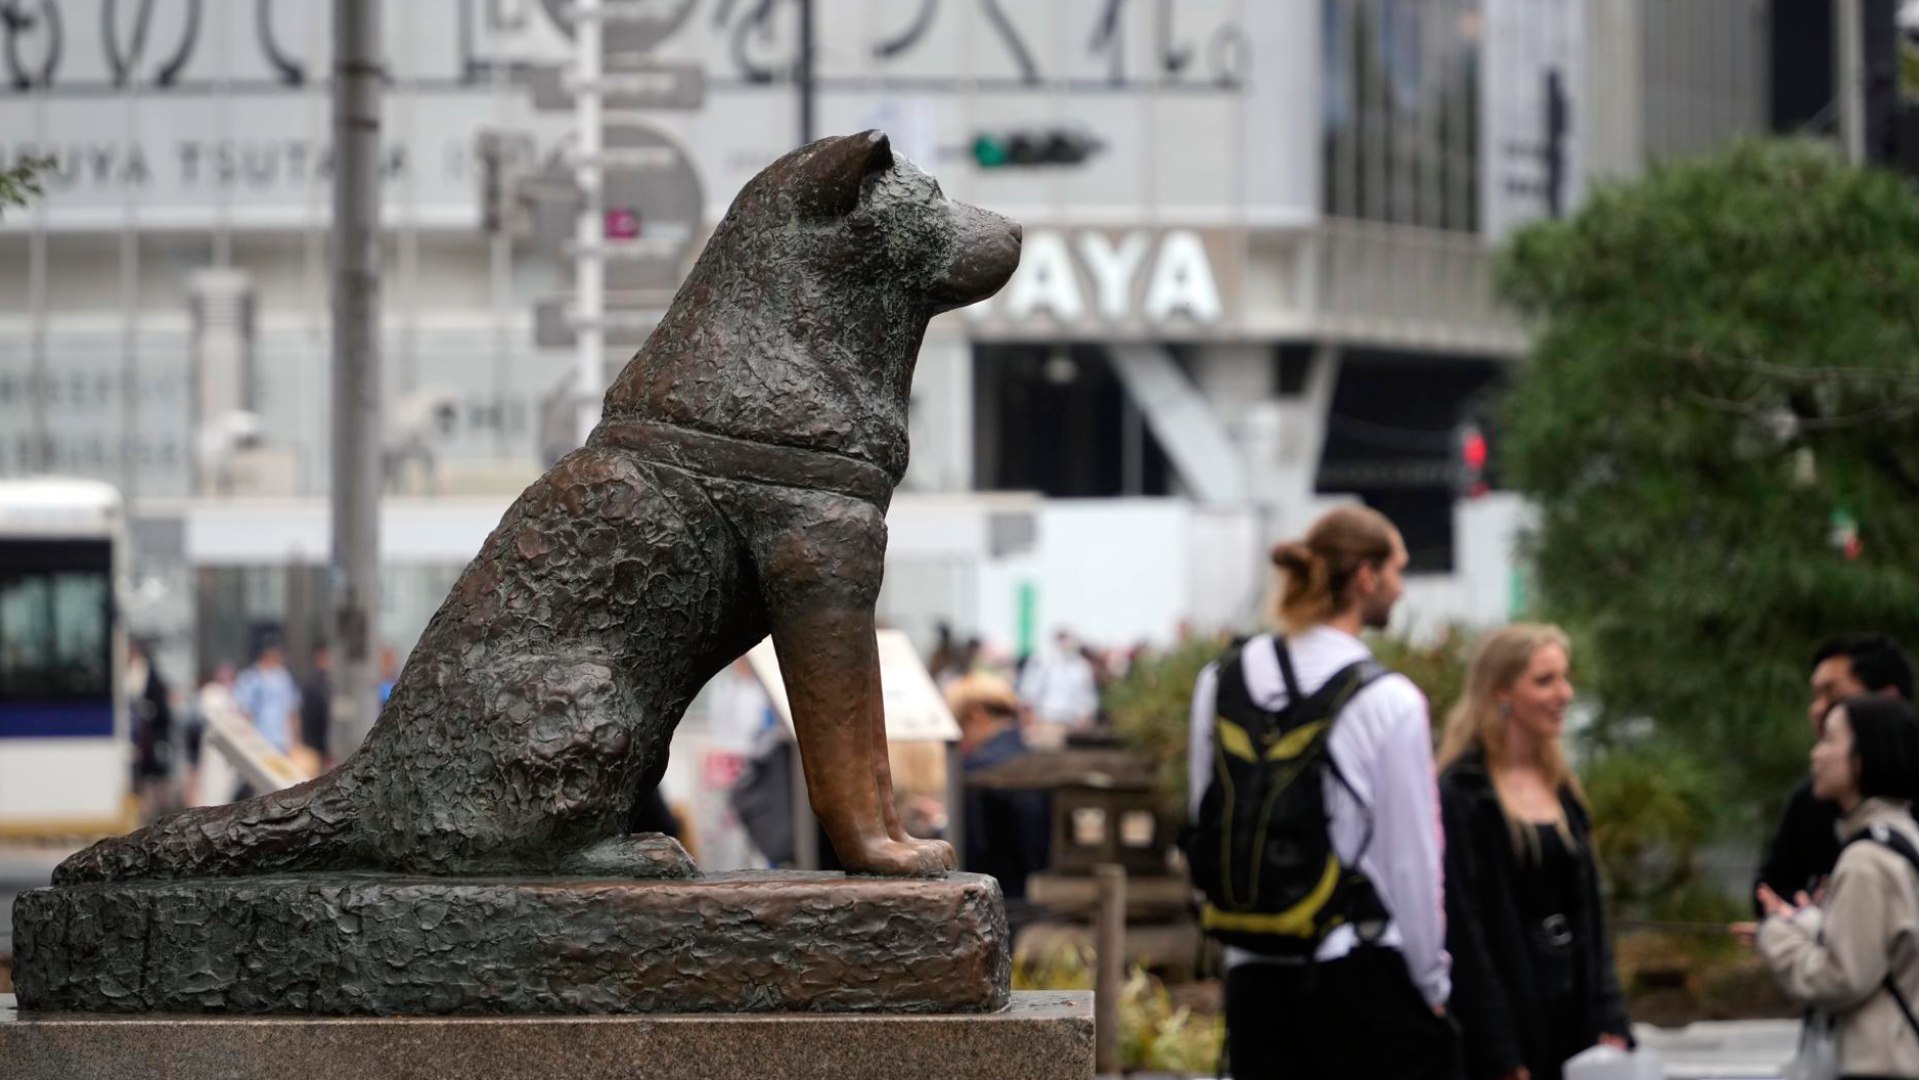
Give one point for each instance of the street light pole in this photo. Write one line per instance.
(1849, 66)
(590, 233)
(804, 75)
(354, 578)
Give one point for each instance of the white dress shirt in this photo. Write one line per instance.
(1383, 745)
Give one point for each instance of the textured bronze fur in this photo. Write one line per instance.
(540, 700)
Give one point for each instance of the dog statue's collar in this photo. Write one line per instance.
(754, 462)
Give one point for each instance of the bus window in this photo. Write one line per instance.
(53, 635)
(56, 641)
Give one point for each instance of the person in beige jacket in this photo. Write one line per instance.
(1854, 953)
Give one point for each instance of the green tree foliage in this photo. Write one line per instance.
(1720, 425)
(21, 181)
(1152, 707)
(1652, 808)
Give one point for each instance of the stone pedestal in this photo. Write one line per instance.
(1040, 1036)
(342, 945)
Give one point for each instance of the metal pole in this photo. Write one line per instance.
(1109, 958)
(804, 75)
(1849, 77)
(956, 801)
(354, 579)
(40, 455)
(130, 324)
(589, 268)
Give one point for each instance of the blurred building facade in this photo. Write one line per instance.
(1268, 288)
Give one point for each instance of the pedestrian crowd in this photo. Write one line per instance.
(293, 716)
(1427, 914)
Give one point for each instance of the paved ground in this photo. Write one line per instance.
(1738, 1050)
(1723, 1050)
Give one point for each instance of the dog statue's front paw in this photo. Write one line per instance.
(895, 858)
(940, 850)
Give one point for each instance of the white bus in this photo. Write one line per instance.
(65, 755)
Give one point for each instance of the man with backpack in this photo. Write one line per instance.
(1316, 832)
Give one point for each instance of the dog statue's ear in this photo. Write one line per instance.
(831, 176)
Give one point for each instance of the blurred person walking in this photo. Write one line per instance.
(1362, 989)
(265, 691)
(151, 707)
(389, 672)
(1533, 976)
(1061, 689)
(316, 707)
(214, 784)
(1852, 955)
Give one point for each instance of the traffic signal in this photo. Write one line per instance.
(1473, 455)
(1029, 149)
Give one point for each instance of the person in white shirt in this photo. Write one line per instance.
(1362, 1007)
(1062, 692)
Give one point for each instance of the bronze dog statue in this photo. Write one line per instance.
(737, 485)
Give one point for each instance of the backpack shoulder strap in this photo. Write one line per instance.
(1896, 841)
(1346, 684)
(1285, 657)
(1888, 837)
(1230, 696)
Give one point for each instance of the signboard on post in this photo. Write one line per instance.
(1532, 164)
(631, 25)
(251, 755)
(626, 83)
(915, 709)
(918, 728)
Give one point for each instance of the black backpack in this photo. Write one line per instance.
(1260, 848)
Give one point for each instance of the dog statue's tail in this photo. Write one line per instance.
(307, 827)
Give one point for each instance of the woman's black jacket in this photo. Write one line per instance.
(1494, 998)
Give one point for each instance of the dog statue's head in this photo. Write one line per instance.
(801, 320)
(866, 211)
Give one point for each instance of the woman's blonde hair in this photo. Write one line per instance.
(1476, 721)
(1318, 569)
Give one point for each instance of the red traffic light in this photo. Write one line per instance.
(1472, 450)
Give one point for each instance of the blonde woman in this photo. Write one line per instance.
(1533, 971)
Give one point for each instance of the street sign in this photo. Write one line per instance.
(915, 709)
(257, 760)
(629, 82)
(653, 209)
(622, 223)
(631, 26)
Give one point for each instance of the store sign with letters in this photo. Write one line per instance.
(1152, 282)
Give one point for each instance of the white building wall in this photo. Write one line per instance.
(1222, 155)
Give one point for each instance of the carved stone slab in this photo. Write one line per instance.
(1039, 1036)
(379, 945)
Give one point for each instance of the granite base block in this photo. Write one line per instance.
(1039, 1036)
(338, 945)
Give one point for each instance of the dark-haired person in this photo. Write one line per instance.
(1853, 956)
(1361, 1008)
(1803, 849)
